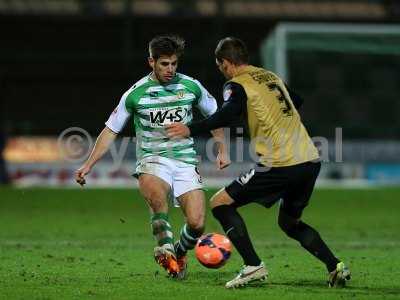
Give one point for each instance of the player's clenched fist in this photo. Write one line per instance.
(177, 130)
(81, 173)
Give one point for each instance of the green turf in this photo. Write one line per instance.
(96, 244)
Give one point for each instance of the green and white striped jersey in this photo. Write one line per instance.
(153, 105)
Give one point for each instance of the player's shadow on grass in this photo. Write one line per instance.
(216, 278)
(302, 284)
(364, 290)
(219, 279)
(374, 290)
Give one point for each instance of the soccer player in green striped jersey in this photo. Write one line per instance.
(164, 166)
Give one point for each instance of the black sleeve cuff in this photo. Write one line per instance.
(195, 129)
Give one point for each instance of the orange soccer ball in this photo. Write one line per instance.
(213, 250)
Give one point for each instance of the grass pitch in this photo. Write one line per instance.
(97, 244)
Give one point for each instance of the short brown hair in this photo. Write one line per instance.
(233, 50)
(166, 45)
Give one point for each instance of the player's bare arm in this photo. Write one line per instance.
(223, 159)
(103, 142)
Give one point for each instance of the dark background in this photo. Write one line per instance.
(59, 71)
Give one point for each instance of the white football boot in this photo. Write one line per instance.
(248, 274)
(339, 276)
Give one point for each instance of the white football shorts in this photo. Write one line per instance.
(181, 177)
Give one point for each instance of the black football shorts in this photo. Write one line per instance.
(263, 185)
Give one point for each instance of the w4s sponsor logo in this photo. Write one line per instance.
(162, 116)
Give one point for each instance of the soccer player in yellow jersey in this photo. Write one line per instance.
(288, 163)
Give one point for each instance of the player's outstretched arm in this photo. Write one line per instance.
(234, 104)
(103, 142)
(223, 159)
(223, 117)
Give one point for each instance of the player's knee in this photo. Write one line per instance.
(157, 204)
(220, 198)
(196, 223)
(287, 227)
(153, 189)
(156, 199)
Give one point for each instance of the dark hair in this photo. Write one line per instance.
(166, 45)
(233, 50)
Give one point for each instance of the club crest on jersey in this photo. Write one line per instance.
(159, 117)
(180, 94)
